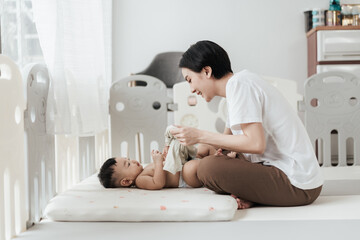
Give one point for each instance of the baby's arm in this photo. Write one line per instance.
(204, 150)
(157, 181)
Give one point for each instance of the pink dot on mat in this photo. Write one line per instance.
(162, 208)
(211, 209)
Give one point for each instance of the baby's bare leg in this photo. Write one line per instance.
(204, 150)
(189, 173)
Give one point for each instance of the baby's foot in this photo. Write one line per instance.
(218, 152)
(231, 154)
(165, 151)
(242, 204)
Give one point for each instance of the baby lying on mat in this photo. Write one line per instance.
(170, 169)
(123, 172)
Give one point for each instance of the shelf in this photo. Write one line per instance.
(322, 28)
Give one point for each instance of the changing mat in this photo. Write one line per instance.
(89, 201)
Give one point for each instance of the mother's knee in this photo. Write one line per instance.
(208, 167)
(210, 173)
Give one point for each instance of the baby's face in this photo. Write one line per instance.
(127, 169)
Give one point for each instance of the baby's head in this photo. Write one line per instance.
(119, 172)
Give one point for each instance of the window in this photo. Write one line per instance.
(19, 39)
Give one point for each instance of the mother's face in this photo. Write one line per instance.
(200, 83)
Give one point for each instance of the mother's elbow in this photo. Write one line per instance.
(260, 151)
(260, 147)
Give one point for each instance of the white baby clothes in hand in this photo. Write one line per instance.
(177, 154)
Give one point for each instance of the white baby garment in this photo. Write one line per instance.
(177, 154)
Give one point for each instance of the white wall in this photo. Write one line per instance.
(267, 37)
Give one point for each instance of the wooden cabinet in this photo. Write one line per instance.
(334, 48)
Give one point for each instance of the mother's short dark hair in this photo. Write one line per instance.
(206, 53)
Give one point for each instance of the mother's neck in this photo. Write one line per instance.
(220, 85)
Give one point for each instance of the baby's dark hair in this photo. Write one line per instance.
(106, 173)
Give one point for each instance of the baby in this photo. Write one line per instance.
(123, 172)
(177, 171)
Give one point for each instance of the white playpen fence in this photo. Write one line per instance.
(34, 165)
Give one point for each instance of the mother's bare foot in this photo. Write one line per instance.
(242, 204)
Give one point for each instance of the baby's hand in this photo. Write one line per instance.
(157, 157)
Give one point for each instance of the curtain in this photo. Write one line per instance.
(75, 37)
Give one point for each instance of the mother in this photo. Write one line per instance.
(279, 166)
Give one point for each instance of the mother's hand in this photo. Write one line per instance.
(186, 135)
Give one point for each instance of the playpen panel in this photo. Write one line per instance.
(75, 156)
(78, 157)
(101, 148)
(332, 113)
(138, 105)
(75, 159)
(13, 214)
(67, 161)
(40, 144)
(51, 164)
(87, 156)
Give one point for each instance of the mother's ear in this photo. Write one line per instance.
(208, 71)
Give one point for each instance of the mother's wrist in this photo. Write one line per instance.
(203, 136)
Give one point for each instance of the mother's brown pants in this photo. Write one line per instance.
(253, 182)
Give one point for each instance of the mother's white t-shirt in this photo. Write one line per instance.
(251, 99)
